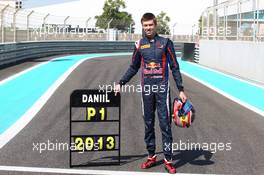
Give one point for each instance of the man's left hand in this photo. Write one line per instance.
(183, 96)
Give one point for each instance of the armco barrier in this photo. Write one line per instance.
(17, 52)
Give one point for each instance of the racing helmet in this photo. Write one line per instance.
(183, 113)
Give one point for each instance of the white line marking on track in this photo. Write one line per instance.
(23, 72)
(77, 171)
(12, 131)
(248, 106)
(29, 115)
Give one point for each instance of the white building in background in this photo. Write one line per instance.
(18, 4)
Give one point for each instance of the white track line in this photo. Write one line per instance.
(34, 109)
(248, 106)
(22, 72)
(77, 171)
(12, 131)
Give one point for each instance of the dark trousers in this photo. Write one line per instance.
(161, 101)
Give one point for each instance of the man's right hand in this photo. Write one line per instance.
(183, 96)
(117, 88)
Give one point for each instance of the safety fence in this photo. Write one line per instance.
(234, 20)
(18, 25)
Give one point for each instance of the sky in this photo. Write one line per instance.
(183, 13)
(36, 3)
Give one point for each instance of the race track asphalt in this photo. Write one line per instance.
(237, 132)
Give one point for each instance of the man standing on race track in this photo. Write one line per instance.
(155, 54)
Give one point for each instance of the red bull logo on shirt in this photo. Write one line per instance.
(153, 68)
(153, 65)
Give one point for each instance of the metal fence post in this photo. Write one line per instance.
(240, 18)
(225, 20)
(208, 23)
(44, 24)
(173, 31)
(86, 22)
(202, 25)
(14, 25)
(257, 34)
(64, 24)
(238, 29)
(2, 23)
(254, 19)
(215, 23)
(65, 21)
(108, 26)
(215, 19)
(28, 24)
(192, 40)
